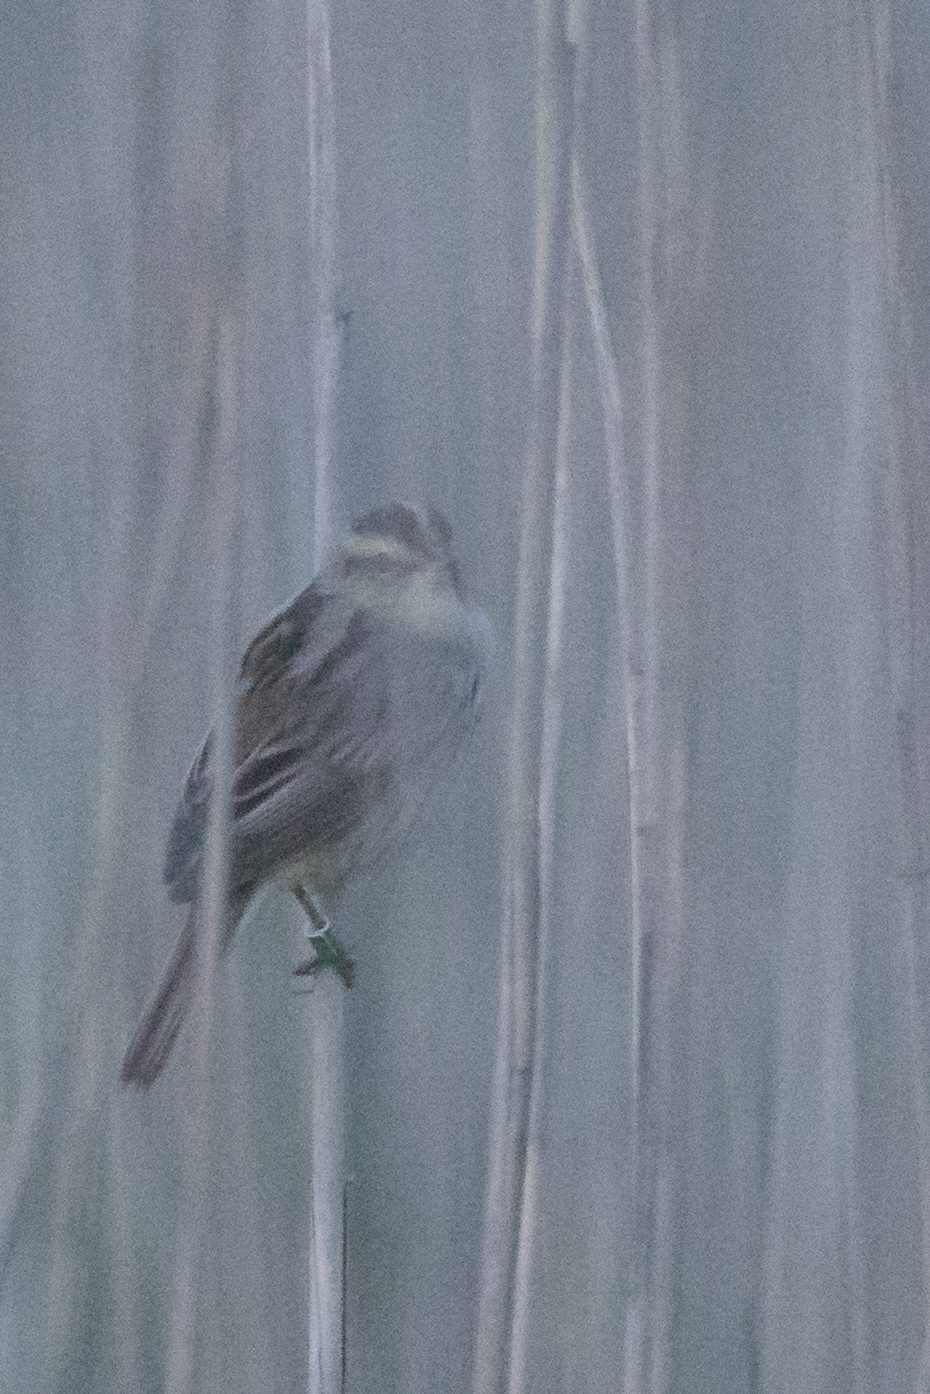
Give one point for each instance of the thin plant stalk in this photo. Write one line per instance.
(906, 619)
(212, 908)
(88, 1062)
(512, 1179)
(548, 783)
(326, 1126)
(258, 1355)
(652, 726)
(636, 709)
(621, 517)
(321, 121)
(645, 663)
(323, 1050)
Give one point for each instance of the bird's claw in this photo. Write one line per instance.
(327, 953)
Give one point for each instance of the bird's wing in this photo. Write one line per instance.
(309, 744)
(185, 840)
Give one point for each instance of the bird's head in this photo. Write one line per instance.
(397, 563)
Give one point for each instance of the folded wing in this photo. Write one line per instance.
(309, 745)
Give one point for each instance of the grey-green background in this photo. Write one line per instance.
(756, 177)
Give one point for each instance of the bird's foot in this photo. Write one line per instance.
(327, 953)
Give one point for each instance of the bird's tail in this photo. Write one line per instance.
(162, 1019)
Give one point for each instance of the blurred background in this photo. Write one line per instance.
(637, 1055)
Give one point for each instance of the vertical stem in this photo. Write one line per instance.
(321, 118)
(621, 517)
(637, 530)
(212, 907)
(326, 1124)
(548, 774)
(510, 1197)
(906, 628)
(324, 1040)
(88, 1064)
(644, 662)
(258, 1356)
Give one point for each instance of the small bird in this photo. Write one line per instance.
(351, 703)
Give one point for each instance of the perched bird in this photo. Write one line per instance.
(351, 702)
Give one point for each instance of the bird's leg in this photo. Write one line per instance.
(327, 951)
(317, 922)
